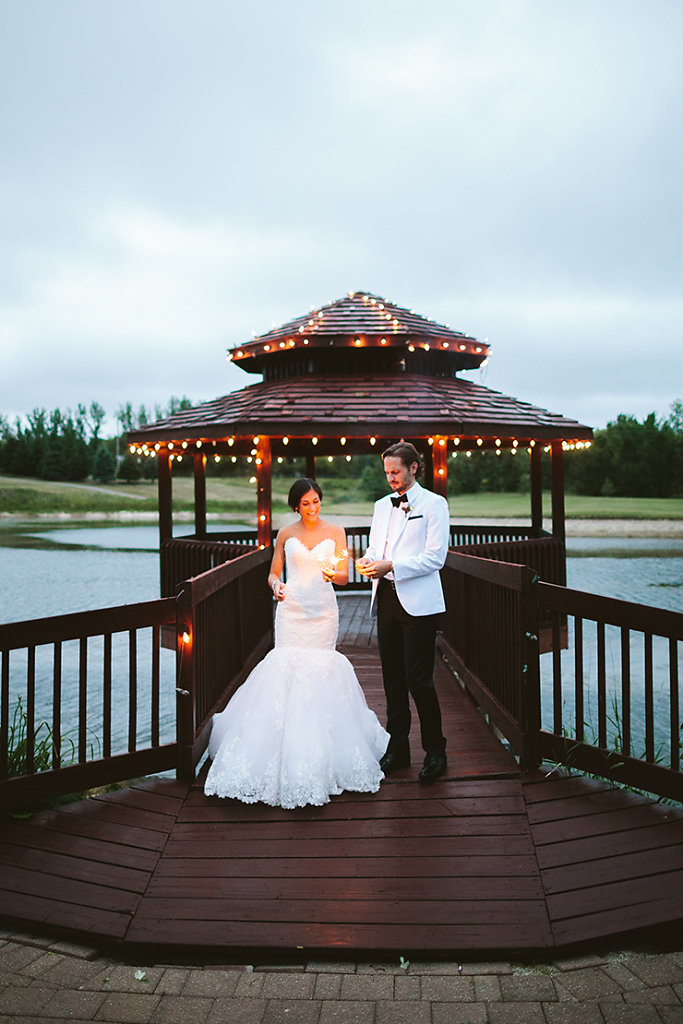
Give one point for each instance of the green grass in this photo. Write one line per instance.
(22, 496)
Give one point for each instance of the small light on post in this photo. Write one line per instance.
(186, 637)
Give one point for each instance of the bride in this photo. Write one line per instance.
(298, 730)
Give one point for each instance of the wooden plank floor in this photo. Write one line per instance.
(482, 862)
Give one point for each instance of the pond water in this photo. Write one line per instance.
(49, 572)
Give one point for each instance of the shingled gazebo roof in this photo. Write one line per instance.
(388, 337)
(385, 405)
(359, 367)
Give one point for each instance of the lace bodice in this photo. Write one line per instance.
(308, 616)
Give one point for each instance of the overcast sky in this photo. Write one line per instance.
(177, 174)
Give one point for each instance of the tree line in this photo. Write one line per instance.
(68, 445)
(628, 458)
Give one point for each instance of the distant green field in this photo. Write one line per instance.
(25, 496)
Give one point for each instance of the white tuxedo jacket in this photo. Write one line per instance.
(419, 550)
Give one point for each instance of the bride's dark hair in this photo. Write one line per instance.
(301, 487)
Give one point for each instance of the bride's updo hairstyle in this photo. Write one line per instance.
(299, 488)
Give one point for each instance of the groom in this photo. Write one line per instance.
(408, 546)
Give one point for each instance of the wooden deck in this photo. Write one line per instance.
(484, 861)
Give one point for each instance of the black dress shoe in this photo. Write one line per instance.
(434, 767)
(392, 762)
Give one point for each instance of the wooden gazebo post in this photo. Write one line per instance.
(557, 489)
(165, 491)
(536, 491)
(440, 465)
(263, 492)
(199, 460)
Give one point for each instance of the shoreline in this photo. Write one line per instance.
(584, 527)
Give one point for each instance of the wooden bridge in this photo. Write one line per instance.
(498, 856)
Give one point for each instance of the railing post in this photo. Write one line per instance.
(185, 682)
(530, 756)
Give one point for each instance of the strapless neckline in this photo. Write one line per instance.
(305, 546)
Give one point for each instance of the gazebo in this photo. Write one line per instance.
(345, 379)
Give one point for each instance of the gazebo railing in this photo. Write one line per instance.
(183, 557)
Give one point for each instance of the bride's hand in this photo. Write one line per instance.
(329, 569)
(279, 591)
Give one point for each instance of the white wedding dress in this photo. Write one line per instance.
(298, 730)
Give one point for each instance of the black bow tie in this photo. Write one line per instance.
(396, 500)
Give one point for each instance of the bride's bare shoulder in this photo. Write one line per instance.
(333, 530)
(285, 532)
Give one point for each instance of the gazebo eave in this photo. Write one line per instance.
(332, 429)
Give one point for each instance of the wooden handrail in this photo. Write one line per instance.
(211, 659)
(494, 645)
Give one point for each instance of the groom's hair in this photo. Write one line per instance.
(406, 452)
(301, 487)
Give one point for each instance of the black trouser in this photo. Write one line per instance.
(406, 648)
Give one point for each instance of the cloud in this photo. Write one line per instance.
(145, 296)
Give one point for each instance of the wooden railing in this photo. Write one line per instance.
(545, 555)
(70, 672)
(568, 706)
(225, 625)
(610, 702)
(103, 699)
(183, 557)
(491, 640)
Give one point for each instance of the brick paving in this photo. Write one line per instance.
(43, 980)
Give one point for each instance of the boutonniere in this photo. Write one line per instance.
(407, 509)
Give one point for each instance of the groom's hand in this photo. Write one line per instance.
(374, 570)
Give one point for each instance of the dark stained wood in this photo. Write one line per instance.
(483, 861)
(611, 861)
